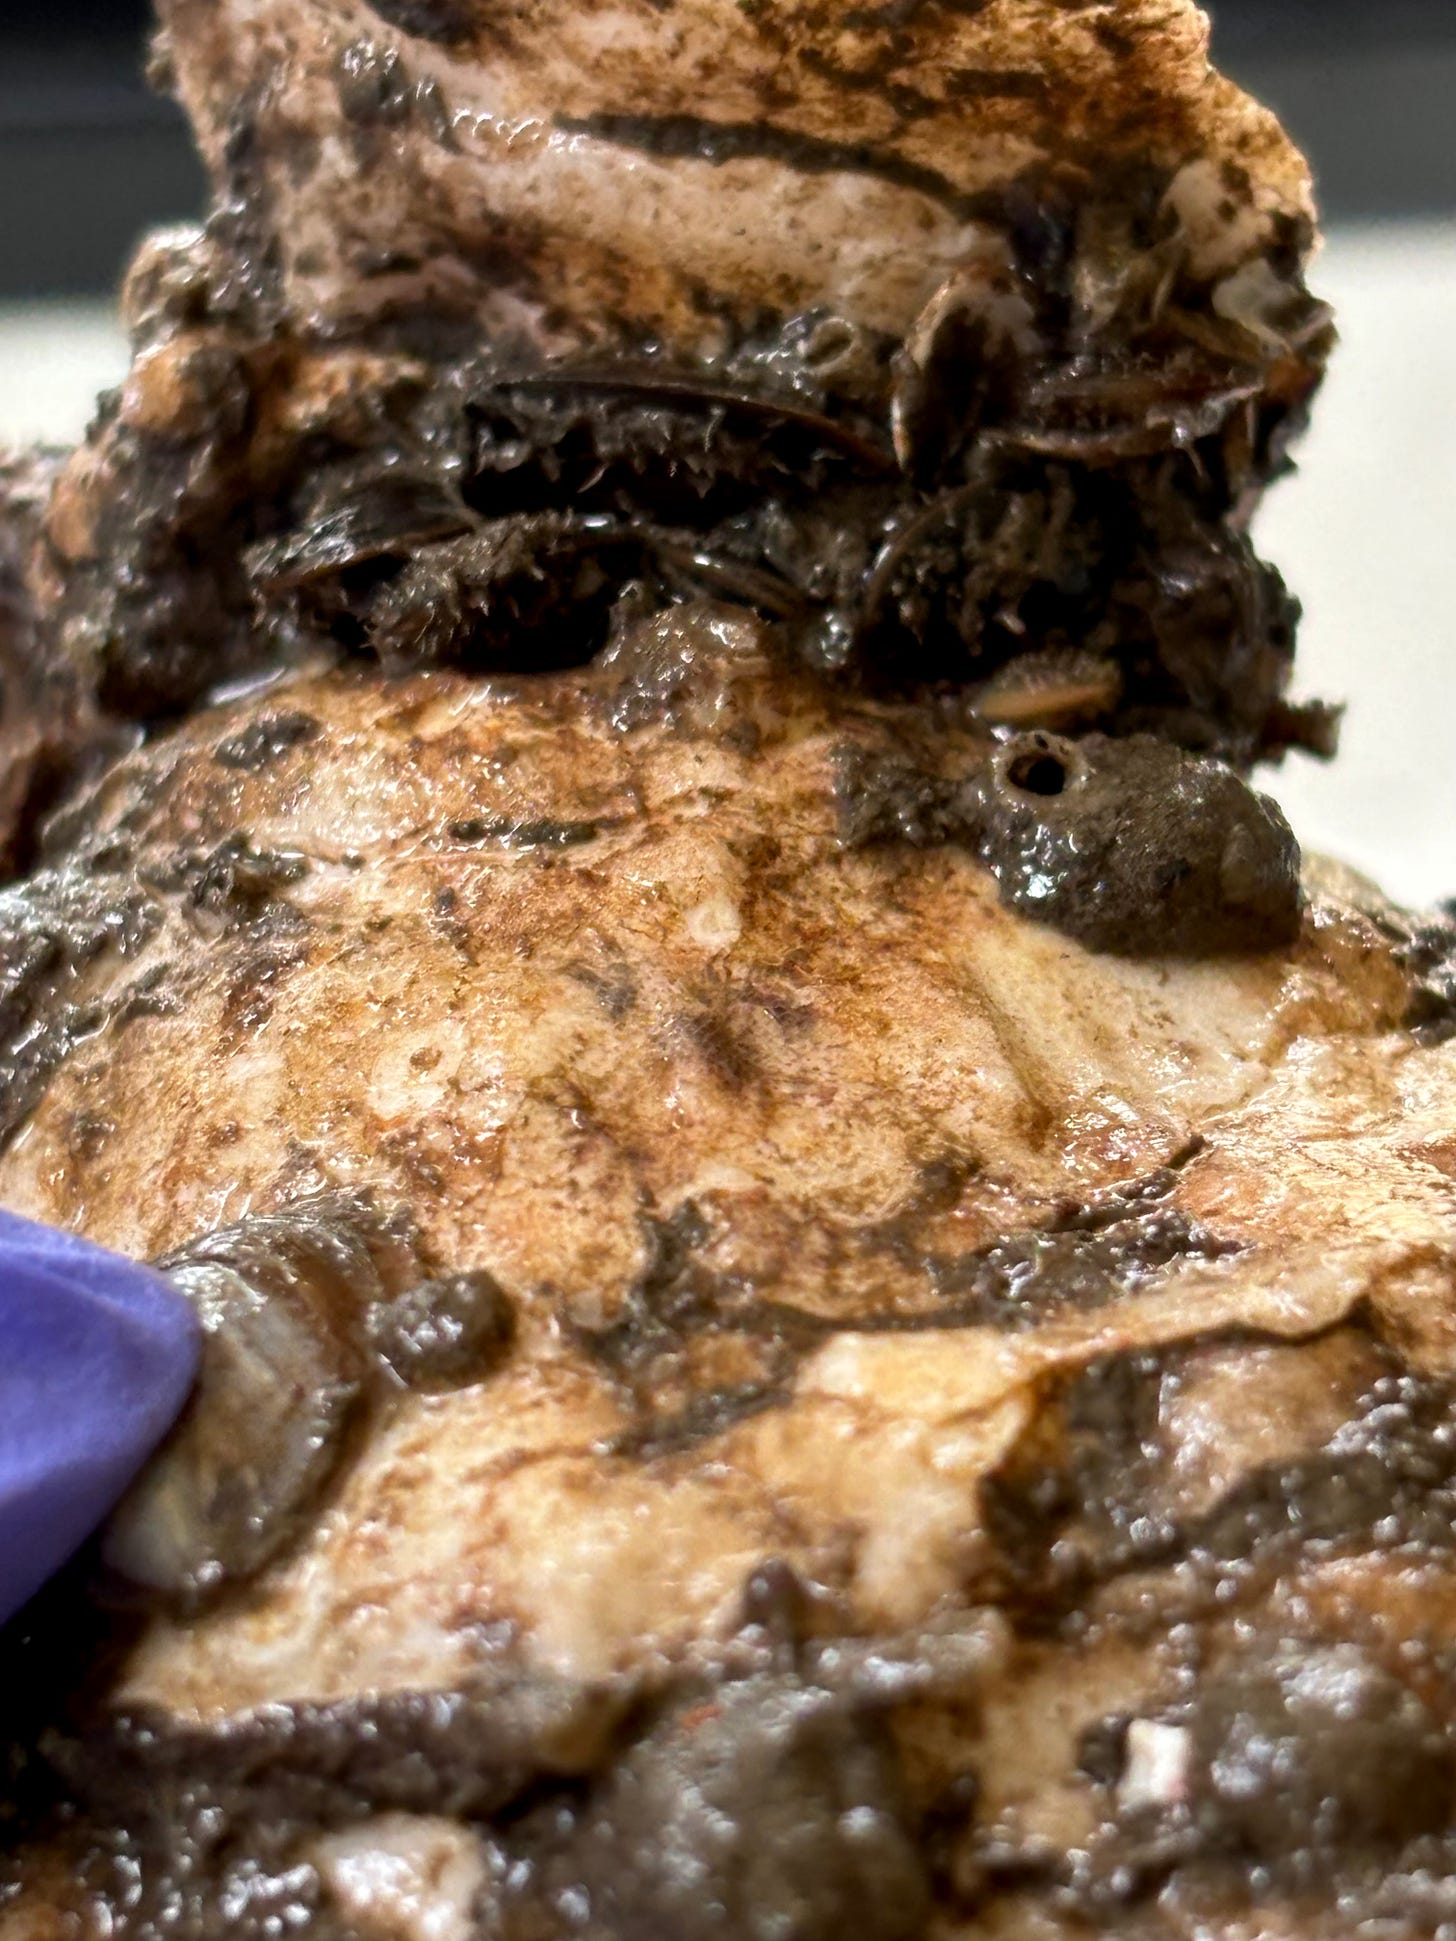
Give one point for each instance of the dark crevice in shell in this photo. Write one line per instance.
(698, 138)
(1085, 1257)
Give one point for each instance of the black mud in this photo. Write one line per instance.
(774, 1808)
(1131, 846)
(54, 927)
(490, 511)
(758, 1795)
(1429, 954)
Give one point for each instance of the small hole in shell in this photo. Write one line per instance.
(1038, 772)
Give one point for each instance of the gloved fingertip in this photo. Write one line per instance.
(97, 1357)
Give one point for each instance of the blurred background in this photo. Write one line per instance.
(89, 157)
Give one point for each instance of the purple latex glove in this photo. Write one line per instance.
(97, 1356)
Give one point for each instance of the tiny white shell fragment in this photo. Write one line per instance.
(408, 1877)
(715, 923)
(1157, 1771)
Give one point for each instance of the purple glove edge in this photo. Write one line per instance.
(97, 1356)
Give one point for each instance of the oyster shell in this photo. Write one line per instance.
(866, 1242)
(942, 333)
(831, 1298)
(583, 173)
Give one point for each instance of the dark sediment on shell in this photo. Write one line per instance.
(768, 1777)
(906, 522)
(905, 515)
(1127, 844)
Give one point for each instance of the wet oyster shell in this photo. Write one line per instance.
(578, 173)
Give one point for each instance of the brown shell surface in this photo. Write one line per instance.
(573, 170)
(536, 983)
(534, 1048)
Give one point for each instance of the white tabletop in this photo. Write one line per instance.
(1364, 534)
